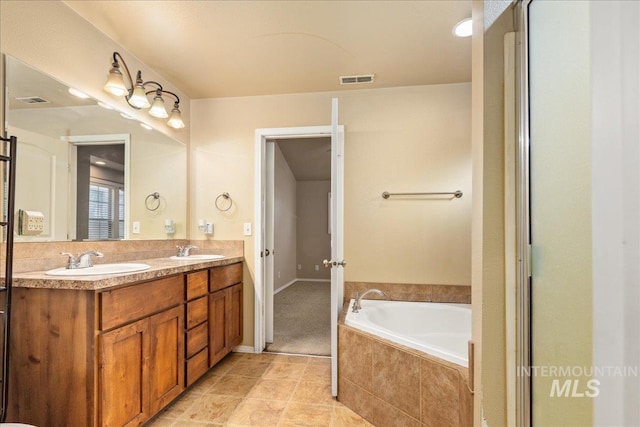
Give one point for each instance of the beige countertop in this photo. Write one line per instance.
(160, 267)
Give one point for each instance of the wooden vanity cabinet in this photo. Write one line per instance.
(225, 310)
(197, 326)
(140, 363)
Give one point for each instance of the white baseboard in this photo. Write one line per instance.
(283, 287)
(244, 349)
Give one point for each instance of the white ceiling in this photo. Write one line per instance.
(243, 48)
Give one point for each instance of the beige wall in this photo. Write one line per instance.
(399, 139)
(314, 241)
(285, 231)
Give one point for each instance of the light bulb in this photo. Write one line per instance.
(175, 120)
(115, 83)
(157, 108)
(139, 98)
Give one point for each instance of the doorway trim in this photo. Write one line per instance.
(261, 137)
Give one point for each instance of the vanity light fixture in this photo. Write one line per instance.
(137, 95)
(463, 28)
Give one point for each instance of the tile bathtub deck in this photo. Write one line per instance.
(247, 390)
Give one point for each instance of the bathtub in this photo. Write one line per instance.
(439, 329)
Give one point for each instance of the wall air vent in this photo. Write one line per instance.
(353, 80)
(32, 100)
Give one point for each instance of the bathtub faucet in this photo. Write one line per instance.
(356, 304)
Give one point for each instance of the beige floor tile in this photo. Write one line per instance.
(317, 373)
(345, 417)
(261, 357)
(248, 369)
(180, 405)
(187, 423)
(302, 414)
(213, 409)
(320, 361)
(285, 358)
(233, 385)
(204, 384)
(258, 412)
(273, 389)
(314, 393)
(161, 422)
(284, 371)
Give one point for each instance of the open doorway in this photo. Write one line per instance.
(301, 241)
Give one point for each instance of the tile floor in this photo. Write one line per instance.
(261, 390)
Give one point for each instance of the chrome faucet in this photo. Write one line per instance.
(83, 260)
(184, 251)
(358, 297)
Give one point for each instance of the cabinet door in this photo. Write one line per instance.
(218, 341)
(234, 311)
(166, 357)
(123, 385)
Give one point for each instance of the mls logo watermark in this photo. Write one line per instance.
(577, 381)
(574, 388)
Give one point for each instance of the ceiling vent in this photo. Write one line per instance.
(353, 80)
(32, 100)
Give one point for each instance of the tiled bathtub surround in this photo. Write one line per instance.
(411, 292)
(392, 385)
(46, 255)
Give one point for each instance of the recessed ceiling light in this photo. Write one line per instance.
(146, 126)
(76, 92)
(126, 116)
(100, 163)
(103, 105)
(463, 28)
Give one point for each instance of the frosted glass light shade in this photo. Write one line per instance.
(115, 83)
(158, 109)
(139, 97)
(175, 120)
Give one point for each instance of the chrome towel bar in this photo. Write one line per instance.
(457, 194)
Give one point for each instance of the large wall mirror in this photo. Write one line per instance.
(91, 172)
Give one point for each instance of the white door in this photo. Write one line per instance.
(269, 250)
(337, 240)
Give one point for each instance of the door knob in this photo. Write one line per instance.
(327, 263)
(266, 252)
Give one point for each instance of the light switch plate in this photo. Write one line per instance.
(136, 227)
(247, 229)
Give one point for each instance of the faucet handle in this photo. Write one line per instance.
(71, 262)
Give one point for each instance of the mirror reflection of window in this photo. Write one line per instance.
(106, 211)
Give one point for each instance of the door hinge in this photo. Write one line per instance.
(529, 260)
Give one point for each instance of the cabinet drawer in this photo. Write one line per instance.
(124, 305)
(197, 339)
(197, 366)
(221, 277)
(196, 312)
(197, 284)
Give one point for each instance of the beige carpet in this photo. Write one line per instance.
(302, 319)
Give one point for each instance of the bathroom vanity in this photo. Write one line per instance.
(114, 350)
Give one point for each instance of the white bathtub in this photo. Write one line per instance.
(440, 329)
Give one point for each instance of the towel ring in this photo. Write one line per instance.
(225, 196)
(153, 196)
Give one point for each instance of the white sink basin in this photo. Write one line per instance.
(197, 257)
(99, 269)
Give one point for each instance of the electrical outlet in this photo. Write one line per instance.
(136, 227)
(299, 266)
(278, 274)
(247, 229)
(317, 268)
